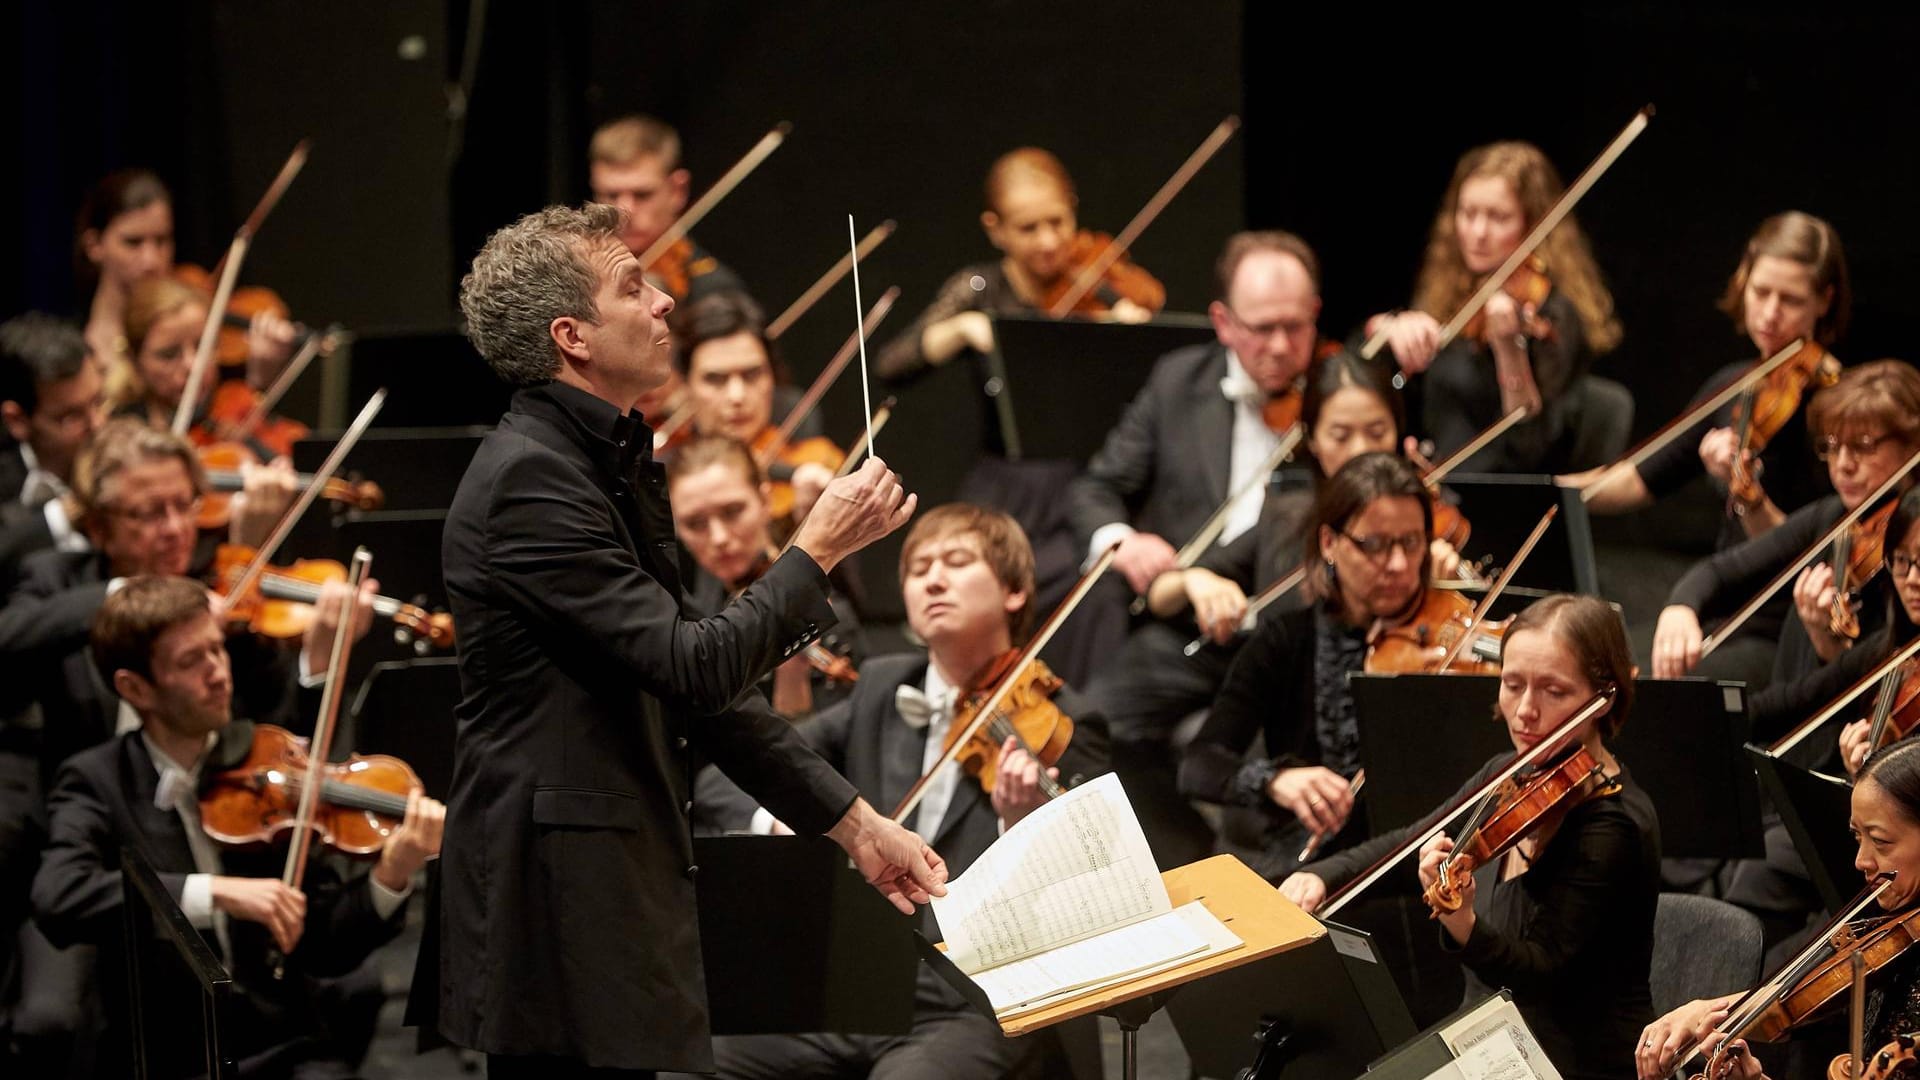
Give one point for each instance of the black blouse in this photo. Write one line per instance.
(1462, 395)
(1572, 937)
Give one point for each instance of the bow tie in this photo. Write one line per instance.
(917, 709)
(175, 785)
(1239, 388)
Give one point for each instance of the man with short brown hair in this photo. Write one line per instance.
(633, 165)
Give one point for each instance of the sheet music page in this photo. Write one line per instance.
(1183, 934)
(1073, 868)
(1494, 1044)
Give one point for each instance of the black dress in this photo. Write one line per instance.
(1572, 937)
(1461, 398)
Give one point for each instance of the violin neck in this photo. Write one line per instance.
(384, 803)
(283, 587)
(230, 481)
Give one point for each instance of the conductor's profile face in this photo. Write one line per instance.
(630, 340)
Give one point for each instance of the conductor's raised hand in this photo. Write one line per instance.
(854, 511)
(893, 859)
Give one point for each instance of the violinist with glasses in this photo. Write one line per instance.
(1550, 889)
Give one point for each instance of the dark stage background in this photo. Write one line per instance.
(1353, 122)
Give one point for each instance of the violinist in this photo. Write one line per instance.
(1349, 408)
(1885, 823)
(633, 163)
(1564, 919)
(1367, 544)
(967, 576)
(51, 401)
(721, 514)
(158, 645)
(1159, 474)
(124, 236)
(732, 380)
(1530, 352)
(1864, 428)
(1791, 285)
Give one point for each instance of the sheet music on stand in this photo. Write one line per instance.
(1489, 1041)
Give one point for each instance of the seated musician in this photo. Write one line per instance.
(1565, 918)
(159, 646)
(967, 574)
(1349, 408)
(1791, 284)
(1885, 823)
(1532, 354)
(124, 236)
(137, 489)
(736, 393)
(721, 514)
(51, 401)
(1367, 541)
(633, 163)
(1864, 427)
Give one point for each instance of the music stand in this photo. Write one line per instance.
(1063, 382)
(405, 708)
(1504, 509)
(1815, 809)
(1265, 922)
(1681, 745)
(435, 378)
(796, 941)
(417, 468)
(1332, 1007)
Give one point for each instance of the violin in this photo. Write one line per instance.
(782, 460)
(1856, 558)
(1529, 287)
(1026, 710)
(230, 348)
(1896, 708)
(233, 407)
(1419, 642)
(837, 668)
(280, 605)
(1878, 941)
(1897, 1058)
(1515, 812)
(1759, 414)
(1123, 280)
(223, 461)
(362, 799)
(671, 272)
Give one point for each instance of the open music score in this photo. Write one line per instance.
(1068, 900)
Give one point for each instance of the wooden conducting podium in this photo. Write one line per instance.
(1265, 922)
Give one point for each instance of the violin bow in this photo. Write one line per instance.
(878, 421)
(1255, 606)
(1885, 670)
(320, 747)
(805, 301)
(1568, 200)
(292, 517)
(295, 368)
(1090, 276)
(1726, 629)
(1750, 1005)
(1499, 585)
(229, 273)
(999, 695)
(1685, 421)
(1191, 551)
(827, 375)
(721, 189)
(1598, 704)
(1437, 473)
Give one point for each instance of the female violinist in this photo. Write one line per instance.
(1564, 919)
(1532, 350)
(734, 383)
(1885, 823)
(721, 513)
(1791, 285)
(1367, 545)
(124, 236)
(1864, 428)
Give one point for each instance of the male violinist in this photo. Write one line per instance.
(158, 644)
(569, 943)
(51, 400)
(633, 165)
(967, 575)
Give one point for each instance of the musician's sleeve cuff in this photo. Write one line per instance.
(196, 900)
(1104, 538)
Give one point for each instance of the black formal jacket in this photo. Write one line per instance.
(43, 647)
(13, 471)
(568, 924)
(102, 805)
(1166, 466)
(867, 741)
